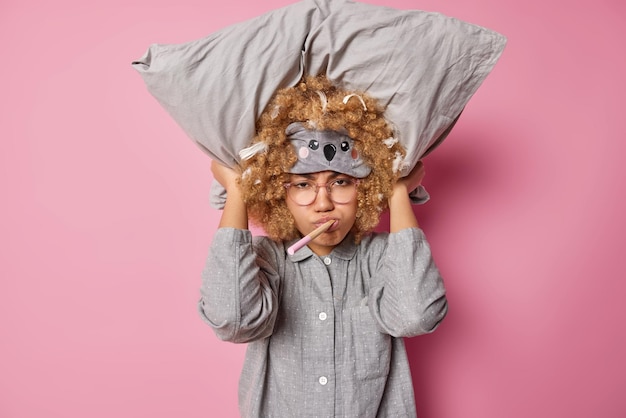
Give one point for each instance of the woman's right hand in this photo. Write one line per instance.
(225, 176)
(234, 214)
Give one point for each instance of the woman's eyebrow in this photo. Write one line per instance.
(313, 176)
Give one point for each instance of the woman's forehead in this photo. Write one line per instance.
(320, 175)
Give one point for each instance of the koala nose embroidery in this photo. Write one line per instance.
(329, 152)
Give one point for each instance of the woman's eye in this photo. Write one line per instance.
(302, 185)
(342, 182)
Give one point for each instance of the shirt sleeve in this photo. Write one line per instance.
(239, 291)
(407, 295)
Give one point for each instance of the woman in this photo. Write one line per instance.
(325, 324)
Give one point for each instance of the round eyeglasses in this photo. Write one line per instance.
(304, 192)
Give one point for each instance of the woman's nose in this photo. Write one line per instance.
(323, 201)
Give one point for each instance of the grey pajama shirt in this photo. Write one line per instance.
(324, 333)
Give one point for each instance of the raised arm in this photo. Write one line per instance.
(408, 296)
(239, 286)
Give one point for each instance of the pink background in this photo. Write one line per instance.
(105, 219)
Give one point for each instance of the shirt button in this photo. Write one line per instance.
(323, 380)
(327, 261)
(323, 316)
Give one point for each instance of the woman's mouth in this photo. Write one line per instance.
(333, 227)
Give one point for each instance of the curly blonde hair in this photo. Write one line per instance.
(316, 101)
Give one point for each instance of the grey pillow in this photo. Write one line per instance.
(423, 67)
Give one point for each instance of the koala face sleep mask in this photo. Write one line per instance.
(325, 151)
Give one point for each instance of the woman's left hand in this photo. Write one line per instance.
(413, 179)
(400, 207)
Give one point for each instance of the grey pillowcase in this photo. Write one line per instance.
(423, 67)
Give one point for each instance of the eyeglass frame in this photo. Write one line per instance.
(326, 186)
